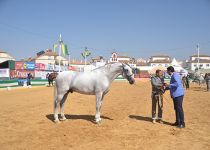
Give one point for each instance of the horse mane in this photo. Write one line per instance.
(105, 67)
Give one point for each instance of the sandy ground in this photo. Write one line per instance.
(26, 120)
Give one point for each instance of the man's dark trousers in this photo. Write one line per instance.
(179, 110)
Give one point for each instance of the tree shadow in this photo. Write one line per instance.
(76, 117)
(148, 119)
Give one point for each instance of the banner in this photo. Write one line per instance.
(39, 66)
(72, 68)
(20, 73)
(63, 68)
(49, 67)
(41, 74)
(4, 73)
(29, 65)
(19, 65)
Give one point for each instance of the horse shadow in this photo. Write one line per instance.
(76, 117)
(148, 119)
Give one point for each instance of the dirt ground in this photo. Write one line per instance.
(26, 120)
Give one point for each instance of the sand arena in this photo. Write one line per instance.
(26, 120)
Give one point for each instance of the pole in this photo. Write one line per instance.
(85, 59)
(69, 60)
(198, 50)
(59, 59)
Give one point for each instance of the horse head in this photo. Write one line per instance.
(128, 73)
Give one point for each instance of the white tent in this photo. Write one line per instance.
(178, 67)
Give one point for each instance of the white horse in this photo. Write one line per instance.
(95, 82)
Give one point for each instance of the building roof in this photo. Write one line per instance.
(123, 57)
(47, 53)
(165, 56)
(201, 55)
(2, 51)
(7, 55)
(97, 58)
(141, 64)
(161, 61)
(200, 61)
(78, 62)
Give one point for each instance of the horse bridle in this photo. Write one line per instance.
(127, 76)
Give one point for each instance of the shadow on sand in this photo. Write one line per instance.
(75, 117)
(202, 89)
(148, 119)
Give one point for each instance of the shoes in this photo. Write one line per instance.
(160, 121)
(175, 124)
(154, 121)
(181, 126)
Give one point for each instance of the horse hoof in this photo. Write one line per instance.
(62, 119)
(98, 121)
(56, 121)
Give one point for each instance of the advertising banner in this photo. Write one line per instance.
(29, 65)
(24, 65)
(20, 73)
(49, 67)
(4, 73)
(40, 66)
(72, 68)
(63, 68)
(41, 74)
(19, 65)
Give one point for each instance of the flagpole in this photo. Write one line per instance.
(198, 50)
(69, 60)
(85, 60)
(59, 59)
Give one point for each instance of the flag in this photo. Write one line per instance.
(64, 49)
(54, 47)
(86, 53)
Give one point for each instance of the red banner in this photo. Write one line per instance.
(72, 68)
(19, 65)
(40, 66)
(20, 73)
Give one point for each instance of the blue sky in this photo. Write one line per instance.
(137, 28)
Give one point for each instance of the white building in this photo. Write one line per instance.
(50, 60)
(4, 56)
(124, 59)
(204, 62)
(50, 57)
(159, 60)
(98, 61)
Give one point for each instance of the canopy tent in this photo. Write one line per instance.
(178, 67)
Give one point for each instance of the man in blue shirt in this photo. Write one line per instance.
(177, 94)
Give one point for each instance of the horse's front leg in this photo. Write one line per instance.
(99, 98)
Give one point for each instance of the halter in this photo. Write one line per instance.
(127, 76)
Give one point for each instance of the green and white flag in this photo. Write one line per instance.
(86, 53)
(54, 47)
(65, 50)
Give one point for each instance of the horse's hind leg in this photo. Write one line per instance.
(62, 107)
(58, 97)
(99, 97)
(56, 107)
